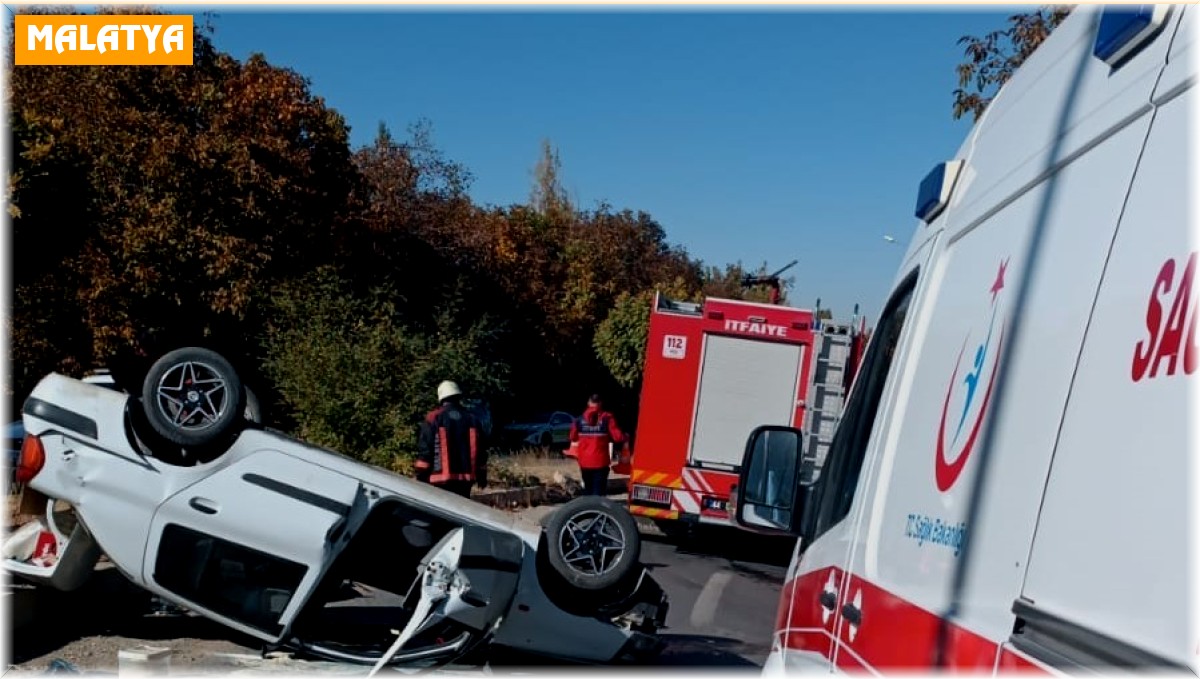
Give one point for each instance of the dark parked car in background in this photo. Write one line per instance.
(550, 429)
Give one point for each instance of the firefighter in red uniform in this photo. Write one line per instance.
(450, 451)
(591, 435)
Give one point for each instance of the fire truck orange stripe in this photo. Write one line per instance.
(653, 512)
(656, 478)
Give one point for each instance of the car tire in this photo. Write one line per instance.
(546, 440)
(593, 544)
(199, 386)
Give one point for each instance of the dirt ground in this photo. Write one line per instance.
(89, 627)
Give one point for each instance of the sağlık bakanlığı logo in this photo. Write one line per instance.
(958, 431)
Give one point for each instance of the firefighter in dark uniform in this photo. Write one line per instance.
(450, 451)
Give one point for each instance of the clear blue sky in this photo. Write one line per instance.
(757, 136)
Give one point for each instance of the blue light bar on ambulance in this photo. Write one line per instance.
(1124, 28)
(934, 194)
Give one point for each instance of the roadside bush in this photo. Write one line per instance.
(356, 376)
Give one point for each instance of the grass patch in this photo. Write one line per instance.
(530, 467)
(532, 453)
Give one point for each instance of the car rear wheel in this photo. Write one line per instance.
(193, 397)
(593, 543)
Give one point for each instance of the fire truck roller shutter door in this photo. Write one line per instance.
(743, 384)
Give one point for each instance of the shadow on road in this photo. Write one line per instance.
(682, 650)
(693, 650)
(730, 543)
(108, 605)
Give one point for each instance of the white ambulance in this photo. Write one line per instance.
(1009, 484)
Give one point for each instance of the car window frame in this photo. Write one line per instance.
(836, 487)
(204, 596)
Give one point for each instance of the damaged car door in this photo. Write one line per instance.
(459, 594)
(246, 544)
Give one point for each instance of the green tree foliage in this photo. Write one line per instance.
(993, 58)
(620, 339)
(548, 196)
(358, 376)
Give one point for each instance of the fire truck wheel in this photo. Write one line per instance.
(593, 543)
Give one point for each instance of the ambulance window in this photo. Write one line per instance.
(839, 479)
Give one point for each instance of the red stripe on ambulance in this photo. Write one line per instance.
(892, 634)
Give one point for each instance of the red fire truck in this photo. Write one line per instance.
(714, 371)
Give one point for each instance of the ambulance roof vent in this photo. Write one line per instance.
(1124, 29)
(934, 192)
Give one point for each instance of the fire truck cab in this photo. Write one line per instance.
(1008, 487)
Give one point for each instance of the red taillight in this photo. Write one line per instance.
(33, 458)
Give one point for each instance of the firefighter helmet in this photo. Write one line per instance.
(447, 389)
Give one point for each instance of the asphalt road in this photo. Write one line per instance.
(724, 590)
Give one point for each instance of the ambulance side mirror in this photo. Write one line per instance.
(769, 498)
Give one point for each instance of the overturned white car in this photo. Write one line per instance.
(266, 534)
